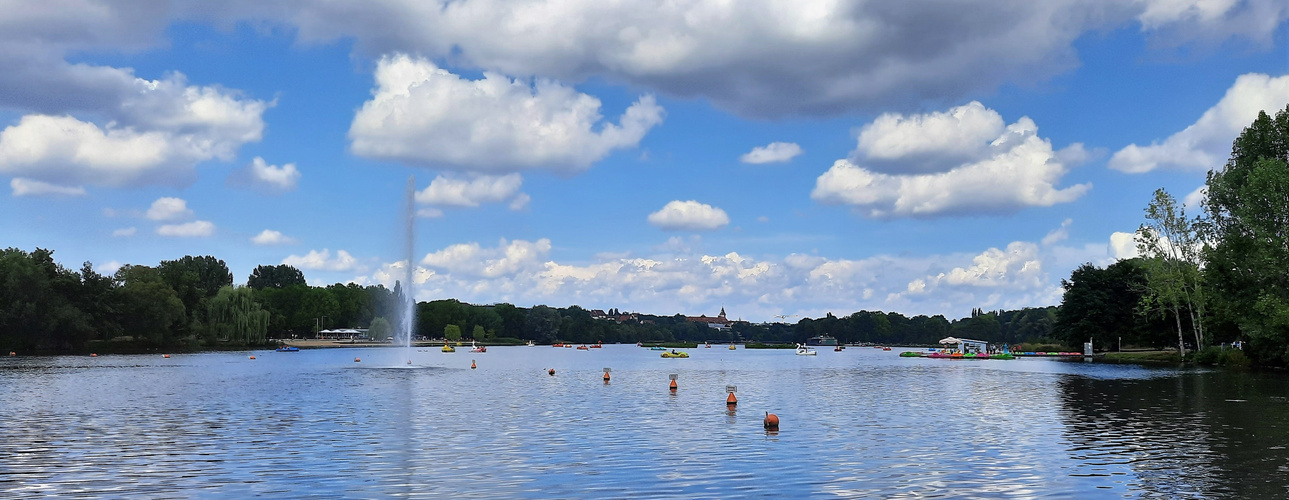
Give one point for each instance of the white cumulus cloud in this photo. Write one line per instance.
(155, 134)
(30, 187)
(689, 215)
(1123, 245)
(197, 228)
(772, 153)
(932, 142)
(323, 260)
(1206, 144)
(125, 232)
(271, 237)
(1013, 170)
(687, 280)
(470, 259)
(261, 176)
(424, 115)
(480, 189)
(1059, 234)
(168, 208)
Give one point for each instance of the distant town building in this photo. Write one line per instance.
(614, 315)
(720, 322)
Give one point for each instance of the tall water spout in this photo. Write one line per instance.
(409, 287)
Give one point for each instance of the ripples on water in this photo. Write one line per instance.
(859, 423)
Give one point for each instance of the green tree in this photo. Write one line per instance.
(38, 309)
(150, 310)
(452, 332)
(279, 276)
(1248, 208)
(380, 329)
(1171, 244)
(543, 324)
(233, 316)
(479, 333)
(1101, 305)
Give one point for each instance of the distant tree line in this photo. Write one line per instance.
(191, 303)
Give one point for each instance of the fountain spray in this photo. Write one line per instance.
(409, 287)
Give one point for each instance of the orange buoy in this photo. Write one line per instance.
(731, 400)
(771, 422)
(472, 366)
(167, 356)
(673, 384)
(358, 360)
(252, 357)
(606, 376)
(551, 372)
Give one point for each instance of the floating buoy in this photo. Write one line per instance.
(358, 360)
(252, 357)
(771, 422)
(167, 356)
(93, 355)
(472, 366)
(731, 400)
(551, 372)
(673, 382)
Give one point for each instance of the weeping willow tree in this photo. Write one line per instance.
(235, 317)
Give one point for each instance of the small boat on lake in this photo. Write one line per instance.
(732, 347)
(583, 348)
(477, 348)
(657, 348)
(675, 354)
(288, 349)
(803, 350)
(448, 348)
(530, 343)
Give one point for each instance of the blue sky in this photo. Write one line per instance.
(920, 157)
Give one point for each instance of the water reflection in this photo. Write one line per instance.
(855, 424)
(1193, 434)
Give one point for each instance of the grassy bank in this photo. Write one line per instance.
(1143, 357)
(755, 345)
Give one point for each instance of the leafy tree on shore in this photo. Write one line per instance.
(234, 316)
(1171, 243)
(1248, 205)
(1100, 304)
(452, 332)
(380, 329)
(279, 276)
(149, 309)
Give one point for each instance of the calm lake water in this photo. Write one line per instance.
(857, 423)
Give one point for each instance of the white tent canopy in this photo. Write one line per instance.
(955, 340)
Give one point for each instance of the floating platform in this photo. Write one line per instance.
(1048, 354)
(940, 355)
